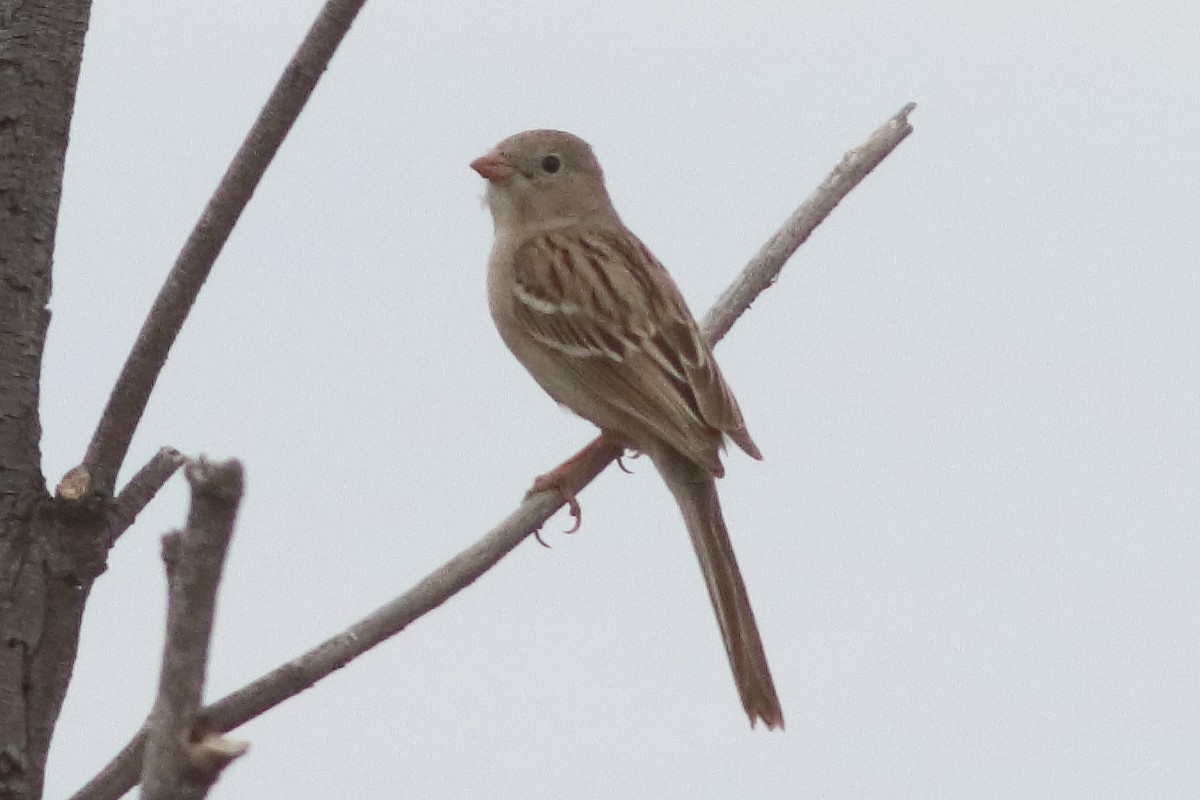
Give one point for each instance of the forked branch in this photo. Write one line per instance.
(183, 754)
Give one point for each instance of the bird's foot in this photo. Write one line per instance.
(570, 476)
(559, 480)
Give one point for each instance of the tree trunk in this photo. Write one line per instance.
(50, 550)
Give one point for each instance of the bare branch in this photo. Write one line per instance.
(129, 397)
(184, 755)
(764, 268)
(120, 775)
(142, 488)
(300, 673)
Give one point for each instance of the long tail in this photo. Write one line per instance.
(696, 492)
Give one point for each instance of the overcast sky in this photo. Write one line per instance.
(972, 546)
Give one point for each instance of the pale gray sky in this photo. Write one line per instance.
(972, 546)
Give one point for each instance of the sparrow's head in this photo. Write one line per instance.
(543, 178)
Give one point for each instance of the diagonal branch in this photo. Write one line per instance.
(121, 774)
(129, 397)
(142, 488)
(183, 755)
(763, 270)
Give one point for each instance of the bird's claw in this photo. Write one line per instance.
(556, 482)
(627, 454)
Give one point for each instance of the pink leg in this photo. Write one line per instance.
(571, 475)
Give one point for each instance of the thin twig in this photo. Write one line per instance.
(183, 754)
(129, 397)
(121, 773)
(763, 269)
(142, 488)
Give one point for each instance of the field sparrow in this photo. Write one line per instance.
(599, 323)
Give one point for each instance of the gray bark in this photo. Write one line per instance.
(50, 550)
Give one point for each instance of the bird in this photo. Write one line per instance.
(598, 322)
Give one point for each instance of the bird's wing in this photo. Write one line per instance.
(599, 298)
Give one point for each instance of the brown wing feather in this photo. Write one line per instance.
(600, 299)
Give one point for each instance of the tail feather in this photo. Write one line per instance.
(696, 492)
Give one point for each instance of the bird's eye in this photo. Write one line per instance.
(551, 164)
